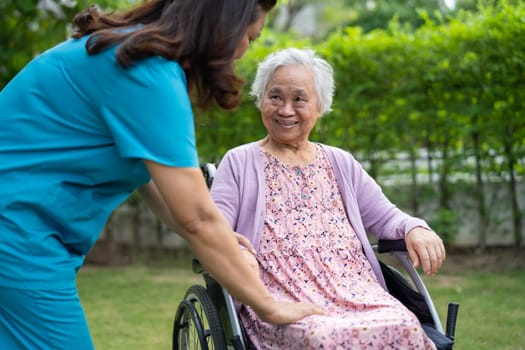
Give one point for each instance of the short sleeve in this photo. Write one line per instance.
(149, 113)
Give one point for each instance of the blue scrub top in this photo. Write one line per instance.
(74, 131)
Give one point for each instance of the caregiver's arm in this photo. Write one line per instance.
(150, 193)
(191, 212)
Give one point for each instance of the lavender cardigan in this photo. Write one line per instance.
(239, 191)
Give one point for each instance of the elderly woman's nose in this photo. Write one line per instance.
(286, 108)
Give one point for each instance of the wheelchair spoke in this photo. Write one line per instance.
(197, 325)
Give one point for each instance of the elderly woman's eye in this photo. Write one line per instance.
(275, 100)
(300, 99)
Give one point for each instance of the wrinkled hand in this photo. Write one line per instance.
(280, 312)
(425, 249)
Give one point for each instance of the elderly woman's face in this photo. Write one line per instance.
(289, 106)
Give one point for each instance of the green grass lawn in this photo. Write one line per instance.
(492, 308)
(133, 307)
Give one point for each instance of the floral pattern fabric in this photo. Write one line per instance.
(309, 252)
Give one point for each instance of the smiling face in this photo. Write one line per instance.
(289, 106)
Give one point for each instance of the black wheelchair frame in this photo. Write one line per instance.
(206, 318)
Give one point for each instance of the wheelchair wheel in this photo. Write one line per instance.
(197, 325)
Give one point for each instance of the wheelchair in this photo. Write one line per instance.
(206, 318)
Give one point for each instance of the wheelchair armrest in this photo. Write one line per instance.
(387, 245)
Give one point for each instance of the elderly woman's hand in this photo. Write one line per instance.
(245, 242)
(248, 252)
(251, 260)
(425, 249)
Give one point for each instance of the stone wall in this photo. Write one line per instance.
(133, 230)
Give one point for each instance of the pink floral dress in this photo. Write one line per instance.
(309, 252)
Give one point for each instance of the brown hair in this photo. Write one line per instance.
(201, 35)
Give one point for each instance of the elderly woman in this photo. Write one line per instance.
(306, 208)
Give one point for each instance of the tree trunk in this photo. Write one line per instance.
(430, 166)
(137, 222)
(444, 191)
(480, 191)
(414, 191)
(516, 211)
(293, 8)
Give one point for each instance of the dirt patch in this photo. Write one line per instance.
(490, 260)
(494, 259)
(449, 281)
(460, 260)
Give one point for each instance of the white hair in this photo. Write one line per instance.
(322, 71)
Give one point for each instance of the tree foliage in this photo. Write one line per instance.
(448, 87)
(28, 27)
(451, 91)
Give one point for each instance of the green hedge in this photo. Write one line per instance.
(452, 92)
